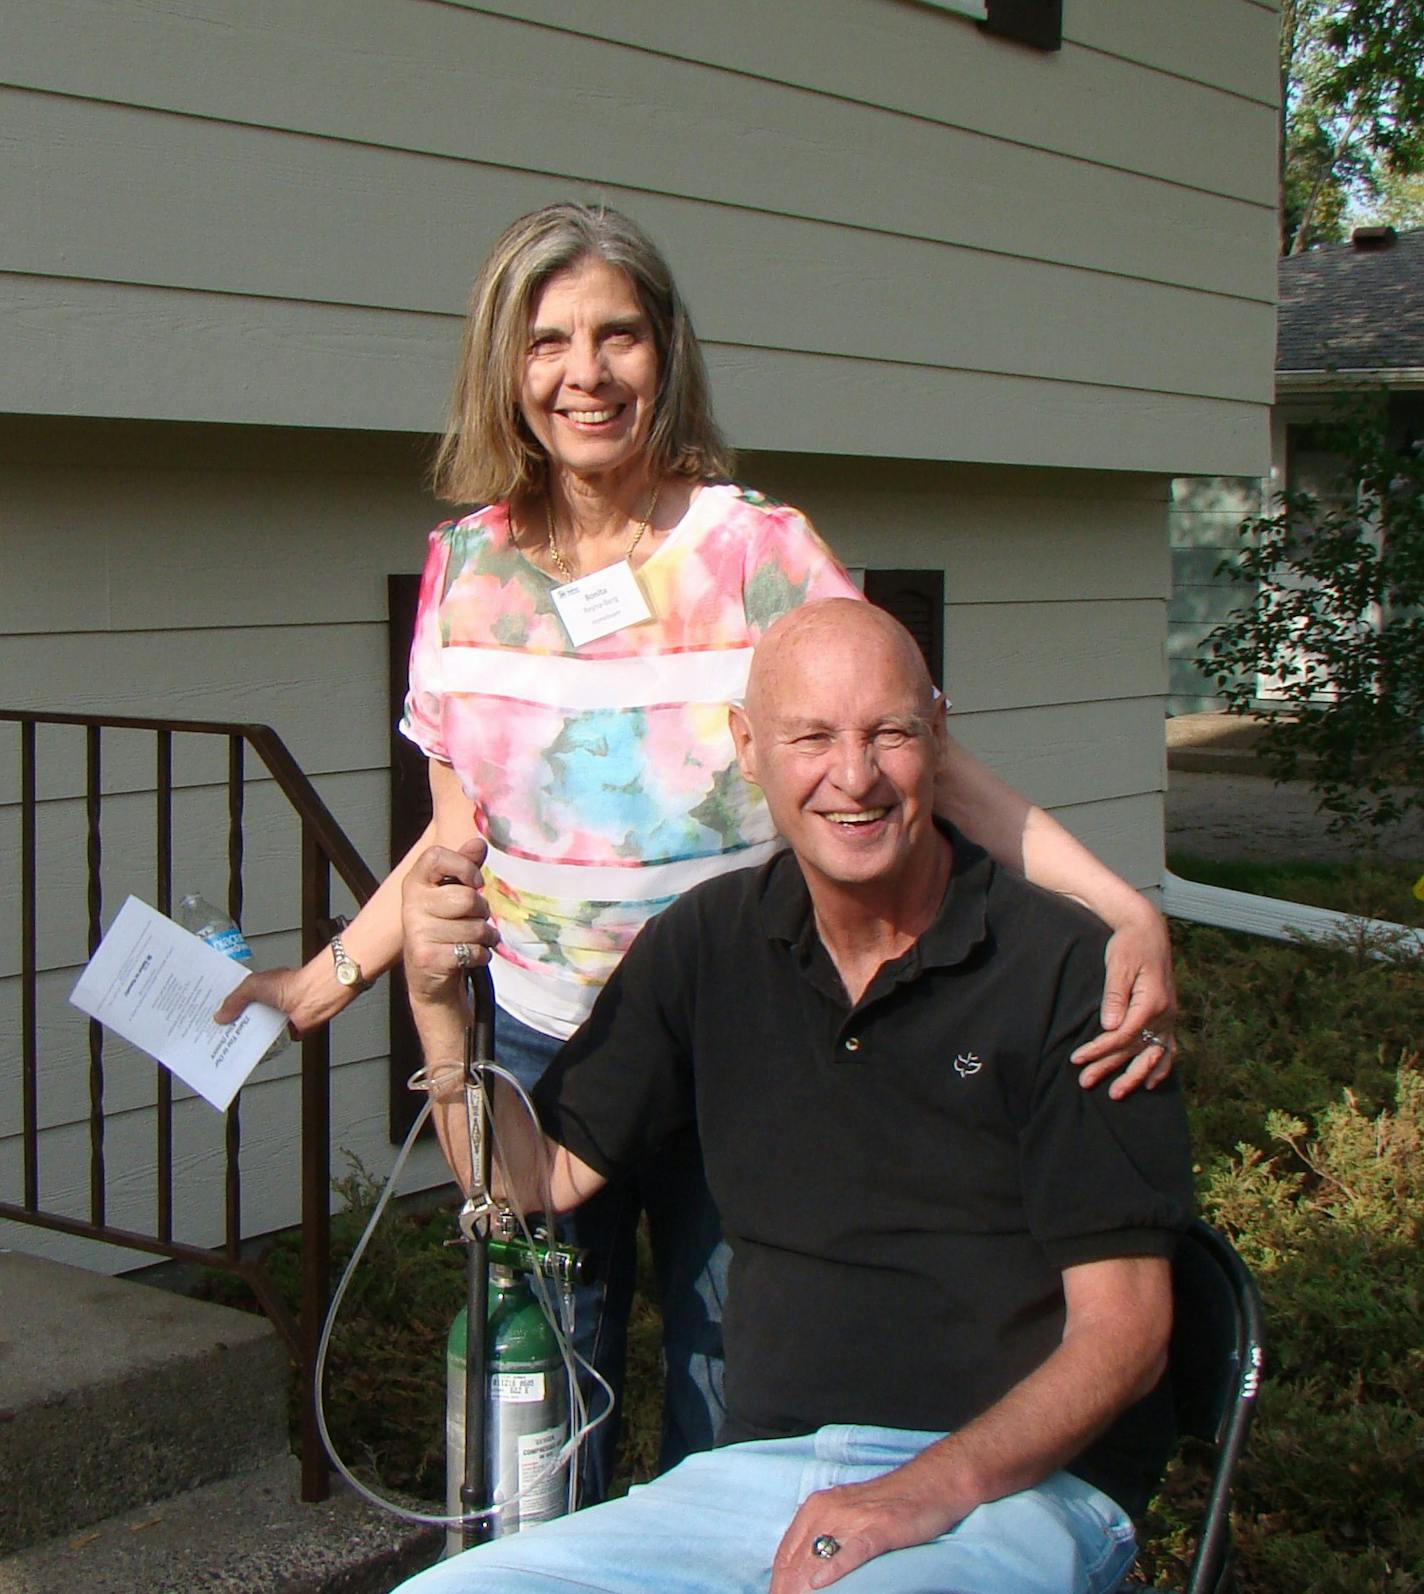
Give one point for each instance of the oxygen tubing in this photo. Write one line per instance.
(560, 1320)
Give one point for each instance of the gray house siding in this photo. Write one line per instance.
(971, 305)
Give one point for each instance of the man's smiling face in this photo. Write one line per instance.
(843, 734)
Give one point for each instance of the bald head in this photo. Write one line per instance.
(825, 638)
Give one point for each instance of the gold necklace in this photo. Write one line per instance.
(552, 547)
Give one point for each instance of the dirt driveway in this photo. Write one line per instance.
(1220, 806)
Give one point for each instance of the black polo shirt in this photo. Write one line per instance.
(901, 1180)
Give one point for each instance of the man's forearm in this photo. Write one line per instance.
(1112, 1352)
(1046, 1419)
(521, 1156)
(529, 1170)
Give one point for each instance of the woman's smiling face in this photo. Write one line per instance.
(590, 372)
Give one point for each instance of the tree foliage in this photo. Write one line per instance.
(1353, 99)
(1399, 203)
(1336, 616)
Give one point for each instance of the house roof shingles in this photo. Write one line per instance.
(1349, 309)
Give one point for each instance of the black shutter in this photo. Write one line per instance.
(410, 813)
(916, 599)
(1035, 22)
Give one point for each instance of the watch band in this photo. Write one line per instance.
(348, 970)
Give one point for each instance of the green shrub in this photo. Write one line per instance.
(1330, 1496)
(1272, 1024)
(1331, 1225)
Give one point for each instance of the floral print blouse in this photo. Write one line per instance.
(602, 777)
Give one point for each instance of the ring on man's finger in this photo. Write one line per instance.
(464, 956)
(1152, 1038)
(825, 1546)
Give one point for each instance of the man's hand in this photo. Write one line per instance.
(442, 908)
(866, 1520)
(1139, 1011)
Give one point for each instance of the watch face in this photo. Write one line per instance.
(348, 970)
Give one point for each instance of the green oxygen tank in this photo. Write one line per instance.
(526, 1411)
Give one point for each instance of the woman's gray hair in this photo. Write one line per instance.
(488, 452)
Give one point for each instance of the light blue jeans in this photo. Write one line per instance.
(689, 1257)
(712, 1526)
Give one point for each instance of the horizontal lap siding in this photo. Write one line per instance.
(471, 82)
(370, 362)
(247, 220)
(1205, 528)
(300, 229)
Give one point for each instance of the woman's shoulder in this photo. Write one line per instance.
(488, 522)
(480, 540)
(755, 516)
(739, 498)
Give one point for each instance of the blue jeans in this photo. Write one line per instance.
(689, 1258)
(713, 1524)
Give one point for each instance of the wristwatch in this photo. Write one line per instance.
(348, 970)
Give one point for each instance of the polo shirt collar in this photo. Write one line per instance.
(961, 924)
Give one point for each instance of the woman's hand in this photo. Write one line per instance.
(280, 988)
(1139, 1011)
(442, 912)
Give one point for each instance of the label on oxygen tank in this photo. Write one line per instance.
(526, 1418)
(517, 1387)
(524, 1452)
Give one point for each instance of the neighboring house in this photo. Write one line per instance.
(972, 302)
(1351, 317)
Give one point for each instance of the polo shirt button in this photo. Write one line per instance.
(853, 1043)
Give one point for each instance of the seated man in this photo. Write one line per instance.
(950, 1297)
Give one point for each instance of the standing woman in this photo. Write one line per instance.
(578, 640)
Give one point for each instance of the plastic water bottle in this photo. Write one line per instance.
(198, 916)
(222, 932)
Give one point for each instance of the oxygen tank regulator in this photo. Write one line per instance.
(511, 1389)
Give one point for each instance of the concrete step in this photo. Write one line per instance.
(114, 1394)
(247, 1535)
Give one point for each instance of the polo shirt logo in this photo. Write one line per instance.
(967, 1063)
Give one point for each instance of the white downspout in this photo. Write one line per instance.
(1282, 921)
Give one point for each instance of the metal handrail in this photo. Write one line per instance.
(324, 847)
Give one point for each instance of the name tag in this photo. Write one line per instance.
(598, 605)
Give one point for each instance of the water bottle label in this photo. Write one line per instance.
(231, 943)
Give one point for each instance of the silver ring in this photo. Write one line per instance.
(825, 1546)
(464, 956)
(1152, 1038)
